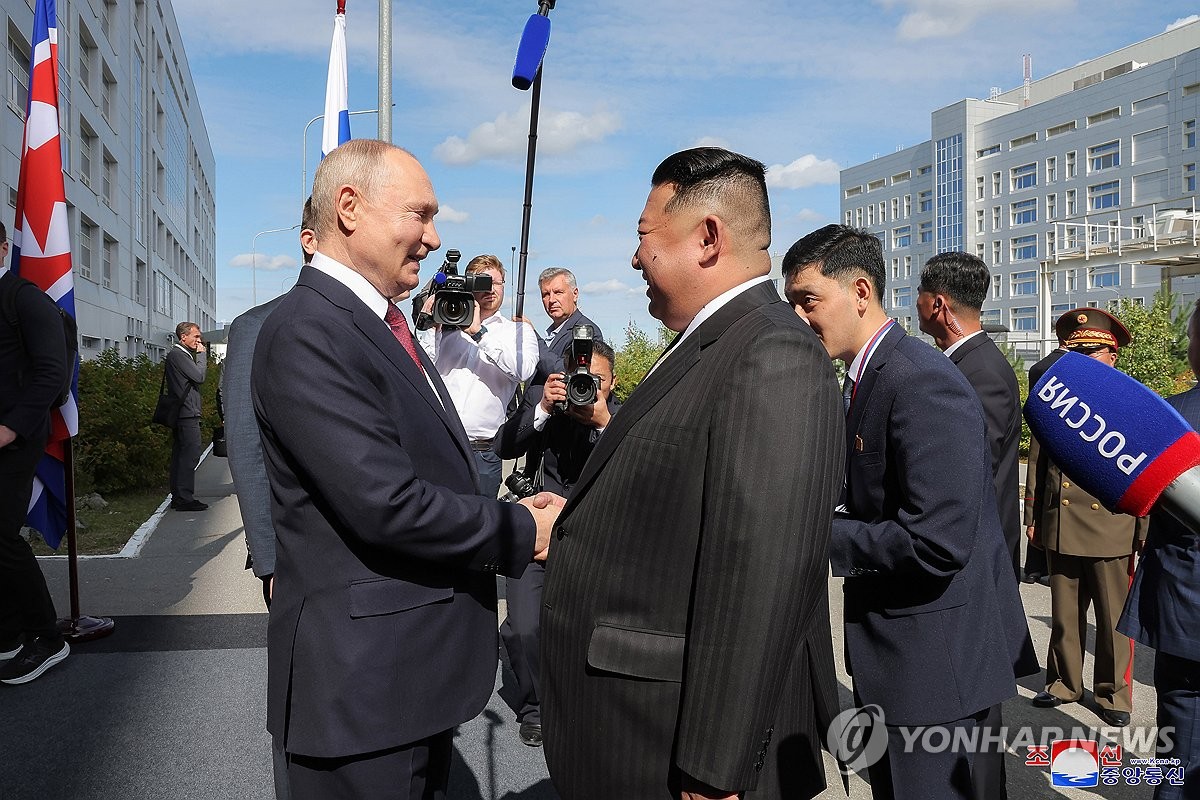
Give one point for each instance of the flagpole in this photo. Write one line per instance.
(77, 628)
(385, 70)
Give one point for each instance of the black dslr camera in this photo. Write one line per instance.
(453, 294)
(519, 487)
(582, 384)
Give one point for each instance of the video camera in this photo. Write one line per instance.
(583, 385)
(453, 296)
(519, 487)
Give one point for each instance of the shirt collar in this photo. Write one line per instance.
(353, 281)
(859, 364)
(950, 350)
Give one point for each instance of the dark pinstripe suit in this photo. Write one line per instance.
(685, 621)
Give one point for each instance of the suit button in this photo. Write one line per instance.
(1066, 502)
(1066, 485)
(1095, 506)
(559, 531)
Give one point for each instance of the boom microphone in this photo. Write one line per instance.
(531, 50)
(1117, 439)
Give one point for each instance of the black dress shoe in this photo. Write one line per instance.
(194, 505)
(531, 734)
(1118, 719)
(1032, 577)
(1046, 700)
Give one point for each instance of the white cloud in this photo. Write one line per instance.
(1179, 23)
(263, 261)
(448, 214)
(807, 170)
(611, 286)
(809, 215)
(507, 136)
(936, 19)
(712, 141)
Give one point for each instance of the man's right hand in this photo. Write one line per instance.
(545, 508)
(554, 391)
(7, 436)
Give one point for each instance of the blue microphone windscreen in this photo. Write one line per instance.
(531, 50)
(1117, 439)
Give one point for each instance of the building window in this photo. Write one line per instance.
(987, 151)
(1189, 177)
(87, 62)
(995, 218)
(902, 297)
(1058, 130)
(1104, 116)
(858, 217)
(978, 187)
(882, 211)
(908, 266)
(980, 226)
(1070, 165)
(1024, 248)
(1072, 276)
(1104, 156)
(853, 191)
(108, 181)
(1051, 245)
(876, 184)
(997, 287)
(1021, 141)
(907, 205)
(871, 214)
(901, 177)
(1104, 195)
(895, 269)
(18, 76)
(925, 201)
(1024, 212)
(139, 281)
(87, 153)
(1024, 283)
(902, 236)
(1023, 318)
(1104, 277)
(1051, 206)
(979, 250)
(108, 255)
(1189, 134)
(1051, 169)
(996, 253)
(895, 208)
(995, 184)
(1150, 102)
(1058, 309)
(1072, 205)
(925, 170)
(1023, 177)
(990, 317)
(925, 232)
(87, 247)
(849, 218)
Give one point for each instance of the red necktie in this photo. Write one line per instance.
(399, 326)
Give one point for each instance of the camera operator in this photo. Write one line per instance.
(566, 438)
(481, 365)
(560, 299)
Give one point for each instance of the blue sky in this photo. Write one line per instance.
(805, 87)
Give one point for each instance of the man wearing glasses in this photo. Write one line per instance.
(481, 366)
(1089, 553)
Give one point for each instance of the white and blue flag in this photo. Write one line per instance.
(337, 95)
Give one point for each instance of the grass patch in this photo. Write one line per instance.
(108, 529)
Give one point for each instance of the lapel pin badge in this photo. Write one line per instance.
(858, 443)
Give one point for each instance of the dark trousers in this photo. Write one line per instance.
(417, 771)
(520, 632)
(1177, 681)
(26, 607)
(940, 773)
(185, 455)
(490, 468)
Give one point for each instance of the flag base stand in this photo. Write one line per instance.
(85, 629)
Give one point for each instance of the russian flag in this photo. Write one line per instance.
(41, 252)
(337, 95)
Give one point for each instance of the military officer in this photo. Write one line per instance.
(1089, 553)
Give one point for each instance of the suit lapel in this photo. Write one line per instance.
(969, 346)
(565, 329)
(667, 374)
(862, 391)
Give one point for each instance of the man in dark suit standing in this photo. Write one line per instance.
(686, 649)
(949, 301)
(382, 634)
(564, 440)
(186, 368)
(560, 298)
(1163, 612)
(935, 632)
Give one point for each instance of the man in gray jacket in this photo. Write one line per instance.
(186, 368)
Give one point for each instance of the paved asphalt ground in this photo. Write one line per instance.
(172, 705)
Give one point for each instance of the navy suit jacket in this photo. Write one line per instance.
(1163, 609)
(383, 624)
(242, 438)
(995, 383)
(935, 630)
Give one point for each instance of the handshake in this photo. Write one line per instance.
(545, 508)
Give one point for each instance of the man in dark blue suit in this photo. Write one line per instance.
(1163, 612)
(935, 632)
(382, 635)
(560, 298)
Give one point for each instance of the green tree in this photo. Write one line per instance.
(1150, 357)
(637, 356)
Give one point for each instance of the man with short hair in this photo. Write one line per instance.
(482, 364)
(949, 301)
(560, 298)
(1089, 554)
(382, 636)
(685, 632)
(934, 629)
(186, 367)
(33, 366)
(563, 440)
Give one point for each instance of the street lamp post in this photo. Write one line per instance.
(254, 260)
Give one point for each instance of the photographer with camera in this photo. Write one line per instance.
(481, 355)
(562, 421)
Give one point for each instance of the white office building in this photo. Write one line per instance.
(138, 167)
(1076, 189)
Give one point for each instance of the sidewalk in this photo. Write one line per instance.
(172, 705)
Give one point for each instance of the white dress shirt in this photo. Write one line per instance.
(481, 377)
(950, 350)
